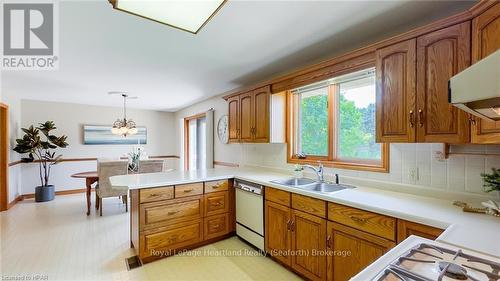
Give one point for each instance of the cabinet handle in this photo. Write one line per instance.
(329, 242)
(292, 225)
(356, 219)
(216, 204)
(216, 226)
(154, 195)
(412, 121)
(172, 213)
(215, 186)
(288, 224)
(188, 190)
(420, 118)
(472, 120)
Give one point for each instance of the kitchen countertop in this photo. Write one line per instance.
(471, 231)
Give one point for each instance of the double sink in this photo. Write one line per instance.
(311, 185)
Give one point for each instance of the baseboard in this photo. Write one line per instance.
(60, 192)
(14, 202)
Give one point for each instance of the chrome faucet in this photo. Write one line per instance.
(319, 170)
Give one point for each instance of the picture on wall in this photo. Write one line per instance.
(102, 135)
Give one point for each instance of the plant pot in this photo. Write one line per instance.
(44, 193)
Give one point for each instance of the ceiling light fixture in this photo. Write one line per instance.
(123, 126)
(189, 15)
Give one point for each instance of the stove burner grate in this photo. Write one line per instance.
(452, 270)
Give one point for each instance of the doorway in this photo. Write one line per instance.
(195, 142)
(4, 157)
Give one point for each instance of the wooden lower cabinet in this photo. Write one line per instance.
(353, 250)
(162, 241)
(215, 226)
(309, 245)
(407, 228)
(278, 240)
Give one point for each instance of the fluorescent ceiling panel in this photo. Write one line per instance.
(187, 15)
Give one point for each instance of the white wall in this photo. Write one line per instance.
(457, 175)
(69, 120)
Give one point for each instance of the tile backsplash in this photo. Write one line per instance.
(412, 164)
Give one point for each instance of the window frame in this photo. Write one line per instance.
(332, 159)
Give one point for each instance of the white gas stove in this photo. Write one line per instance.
(419, 259)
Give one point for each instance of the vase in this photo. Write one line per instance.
(44, 193)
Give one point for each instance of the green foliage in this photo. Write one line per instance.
(39, 148)
(491, 181)
(314, 137)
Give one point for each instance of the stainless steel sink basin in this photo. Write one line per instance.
(325, 187)
(294, 182)
(308, 184)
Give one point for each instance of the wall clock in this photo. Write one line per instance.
(222, 129)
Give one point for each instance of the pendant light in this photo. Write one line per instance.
(124, 127)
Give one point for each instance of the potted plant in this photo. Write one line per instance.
(491, 182)
(40, 148)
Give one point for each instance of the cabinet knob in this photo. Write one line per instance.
(188, 190)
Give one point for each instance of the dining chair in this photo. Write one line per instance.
(104, 189)
(150, 166)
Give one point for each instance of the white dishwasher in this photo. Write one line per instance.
(250, 212)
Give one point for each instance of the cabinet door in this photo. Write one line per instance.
(396, 82)
(407, 228)
(440, 55)
(354, 251)
(261, 114)
(234, 119)
(309, 245)
(277, 232)
(485, 40)
(246, 114)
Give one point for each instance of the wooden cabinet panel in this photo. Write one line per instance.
(156, 194)
(373, 223)
(161, 243)
(396, 80)
(190, 189)
(216, 186)
(485, 40)
(234, 118)
(277, 233)
(277, 196)
(361, 250)
(440, 55)
(261, 99)
(171, 211)
(216, 226)
(246, 115)
(407, 228)
(309, 205)
(309, 238)
(216, 203)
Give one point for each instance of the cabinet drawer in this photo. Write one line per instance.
(216, 226)
(156, 194)
(172, 211)
(214, 186)
(161, 242)
(190, 189)
(277, 196)
(216, 203)
(373, 223)
(309, 205)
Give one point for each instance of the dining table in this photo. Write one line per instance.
(90, 177)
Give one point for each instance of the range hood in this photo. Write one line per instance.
(477, 88)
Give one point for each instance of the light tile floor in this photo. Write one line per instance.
(57, 241)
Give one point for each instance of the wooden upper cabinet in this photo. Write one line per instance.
(233, 118)
(246, 117)
(249, 116)
(261, 99)
(278, 236)
(440, 55)
(396, 80)
(485, 40)
(309, 236)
